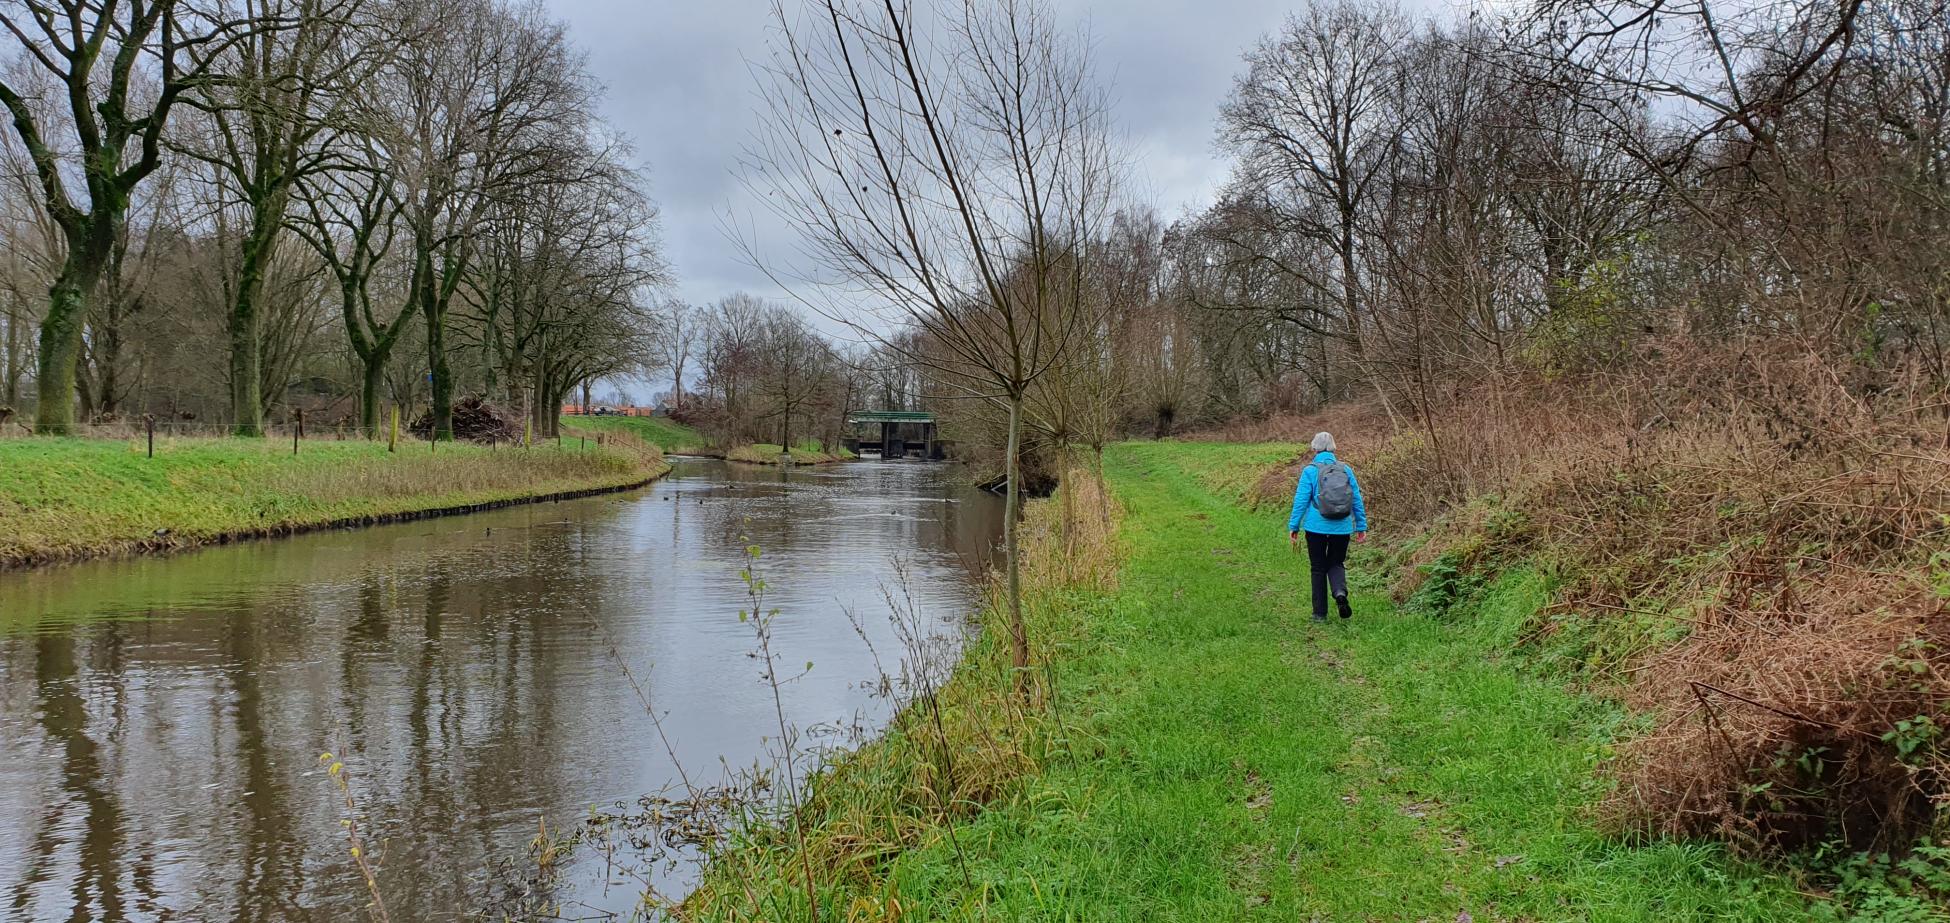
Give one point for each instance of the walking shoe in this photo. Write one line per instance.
(1320, 618)
(1347, 609)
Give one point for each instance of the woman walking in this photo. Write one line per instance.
(1327, 506)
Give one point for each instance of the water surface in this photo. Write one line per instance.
(163, 716)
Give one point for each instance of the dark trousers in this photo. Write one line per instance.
(1327, 558)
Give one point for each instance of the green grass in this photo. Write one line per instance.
(806, 453)
(69, 498)
(1232, 761)
(662, 432)
(1232, 471)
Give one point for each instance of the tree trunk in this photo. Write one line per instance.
(246, 358)
(1012, 505)
(375, 379)
(440, 379)
(109, 359)
(67, 310)
(537, 418)
(1069, 510)
(10, 387)
(84, 390)
(1350, 295)
(494, 355)
(1103, 489)
(544, 414)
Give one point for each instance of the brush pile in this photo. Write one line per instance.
(476, 420)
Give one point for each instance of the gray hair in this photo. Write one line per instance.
(1324, 442)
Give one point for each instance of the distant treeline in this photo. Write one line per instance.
(221, 211)
(1419, 203)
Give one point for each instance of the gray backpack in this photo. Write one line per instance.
(1334, 492)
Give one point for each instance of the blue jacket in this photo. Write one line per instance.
(1305, 514)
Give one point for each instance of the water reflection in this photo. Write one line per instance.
(163, 717)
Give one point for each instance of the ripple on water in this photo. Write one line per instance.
(164, 715)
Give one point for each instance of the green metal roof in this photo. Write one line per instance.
(890, 416)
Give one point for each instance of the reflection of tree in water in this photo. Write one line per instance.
(452, 760)
(95, 893)
(273, 872)
(464, 673)
(882, 507)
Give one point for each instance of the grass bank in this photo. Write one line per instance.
(1199, 751)
(64, 499)
(662, 432)
(674, 437)
(811, 453)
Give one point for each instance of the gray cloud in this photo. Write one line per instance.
(679, 85)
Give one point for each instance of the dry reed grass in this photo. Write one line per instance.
(1074, 545)
(1760, 539)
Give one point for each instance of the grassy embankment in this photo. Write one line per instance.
(809, 453)
(678, 438)
(662, 432)
(1213, 756)
(63, 499)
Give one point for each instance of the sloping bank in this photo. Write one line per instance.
(765, 454)
(1198, 751)
(67, 499)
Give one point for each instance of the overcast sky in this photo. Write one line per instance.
(679, 85)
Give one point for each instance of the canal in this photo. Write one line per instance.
(163, 717)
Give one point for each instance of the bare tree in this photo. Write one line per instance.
(677, 335)
(492, 102)
(797, 370)
(109, 369)
(349, 216)
(418, 149)
(1314, 134)
(558, 291)
(729, 359)
(123, 66)
(283, 88)
(30, 258)
(766, 373)
(952, 161)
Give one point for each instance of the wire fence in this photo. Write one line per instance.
(150, 433)
(137, 429)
